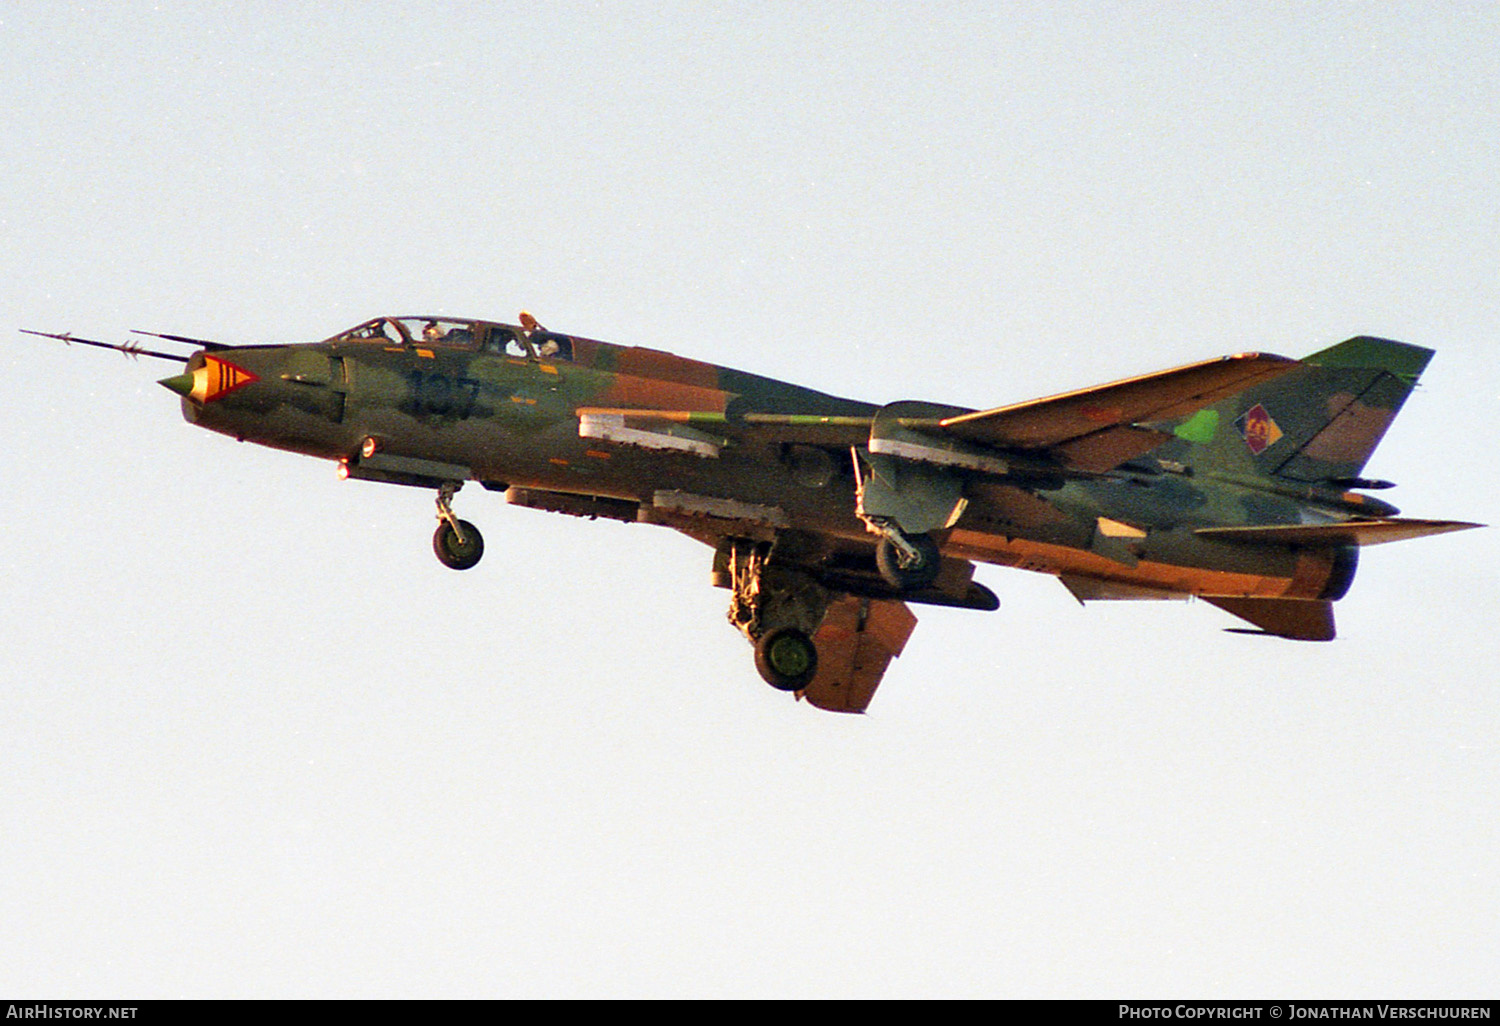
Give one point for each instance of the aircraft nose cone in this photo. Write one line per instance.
(182, 384)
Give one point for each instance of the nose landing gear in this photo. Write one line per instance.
(457, 543)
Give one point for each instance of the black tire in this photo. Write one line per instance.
(786, 658)
(915, 575)
(451, 552)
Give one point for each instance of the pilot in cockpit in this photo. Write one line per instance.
(497, 340)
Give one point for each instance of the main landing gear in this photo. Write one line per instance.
(457, 543)
(786, 658)
(777, 608)
(906, 562)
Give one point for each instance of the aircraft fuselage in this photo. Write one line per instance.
(1230, 479)
(511, 421)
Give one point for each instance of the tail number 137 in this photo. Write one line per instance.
(441, 396)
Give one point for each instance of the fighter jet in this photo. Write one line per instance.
(1236, 480)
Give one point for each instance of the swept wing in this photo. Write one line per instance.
(1096, 429)
(1091, 429)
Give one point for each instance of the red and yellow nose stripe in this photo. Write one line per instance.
(214, 380)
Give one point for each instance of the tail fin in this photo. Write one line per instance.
(1318, 423)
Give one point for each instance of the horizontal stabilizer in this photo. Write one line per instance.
(1354, 532)
(1298, 619)
(857, 641)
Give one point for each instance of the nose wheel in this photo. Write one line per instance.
(457, 543)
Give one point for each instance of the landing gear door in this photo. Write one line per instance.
(905, 479)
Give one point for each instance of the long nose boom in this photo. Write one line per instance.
(130, 349)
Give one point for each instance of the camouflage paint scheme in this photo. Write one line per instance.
(1234, 480)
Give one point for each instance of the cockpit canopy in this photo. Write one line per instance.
(456, 333)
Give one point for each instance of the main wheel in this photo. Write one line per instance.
(455, 554)
(786, 658)
(901, 571)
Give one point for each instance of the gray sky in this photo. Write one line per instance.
(255, 741)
